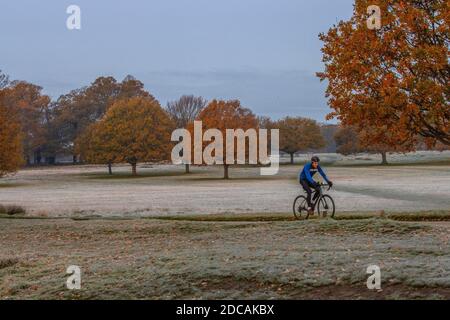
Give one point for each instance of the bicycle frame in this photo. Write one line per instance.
(320, 195)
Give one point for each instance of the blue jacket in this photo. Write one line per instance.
(308, 172)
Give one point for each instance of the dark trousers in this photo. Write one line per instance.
(309, 187)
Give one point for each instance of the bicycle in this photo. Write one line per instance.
(324, 204)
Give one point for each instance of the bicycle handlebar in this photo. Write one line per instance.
(325, 185)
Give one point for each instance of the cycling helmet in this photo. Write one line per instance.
(315, 159)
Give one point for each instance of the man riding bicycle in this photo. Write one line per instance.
(308, 183)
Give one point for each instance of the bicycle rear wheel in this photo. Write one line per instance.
(300, 208)
(325, 207)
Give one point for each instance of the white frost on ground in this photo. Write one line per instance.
(164, 190)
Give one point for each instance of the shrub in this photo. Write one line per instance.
(12, 210)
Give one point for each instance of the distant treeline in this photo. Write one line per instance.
(111, 121)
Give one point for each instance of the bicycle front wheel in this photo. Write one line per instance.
(325, 207)
(300, 208)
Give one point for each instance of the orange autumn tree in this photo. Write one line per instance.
(28, 103)
(10, 139)
(299, 134)
(94, 146)
(392, 84)
(132, 130)
(223, 115)
(77, 110)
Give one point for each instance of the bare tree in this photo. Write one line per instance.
(4, 80)
(185, 110)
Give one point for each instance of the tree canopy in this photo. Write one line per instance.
(80, 108)
(28, 104)
(11, 153)
(299, 134)
(133, 130)
(394, 80)
(223, 115)
(186, 109)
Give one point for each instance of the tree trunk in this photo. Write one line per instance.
(133, 169)
(38, 157)
(384, 158)
(225, 171)
(74, 159)
(109, 168)
(292, 158)
(187, 168)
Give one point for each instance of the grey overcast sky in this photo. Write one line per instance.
(263, 52)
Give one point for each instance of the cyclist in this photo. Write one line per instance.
(308, 183)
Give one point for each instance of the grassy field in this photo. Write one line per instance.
(168, 235)
(67, 191)
(226, 257)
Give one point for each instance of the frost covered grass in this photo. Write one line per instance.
(167, 235)
(167, 259)
(164, 190)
